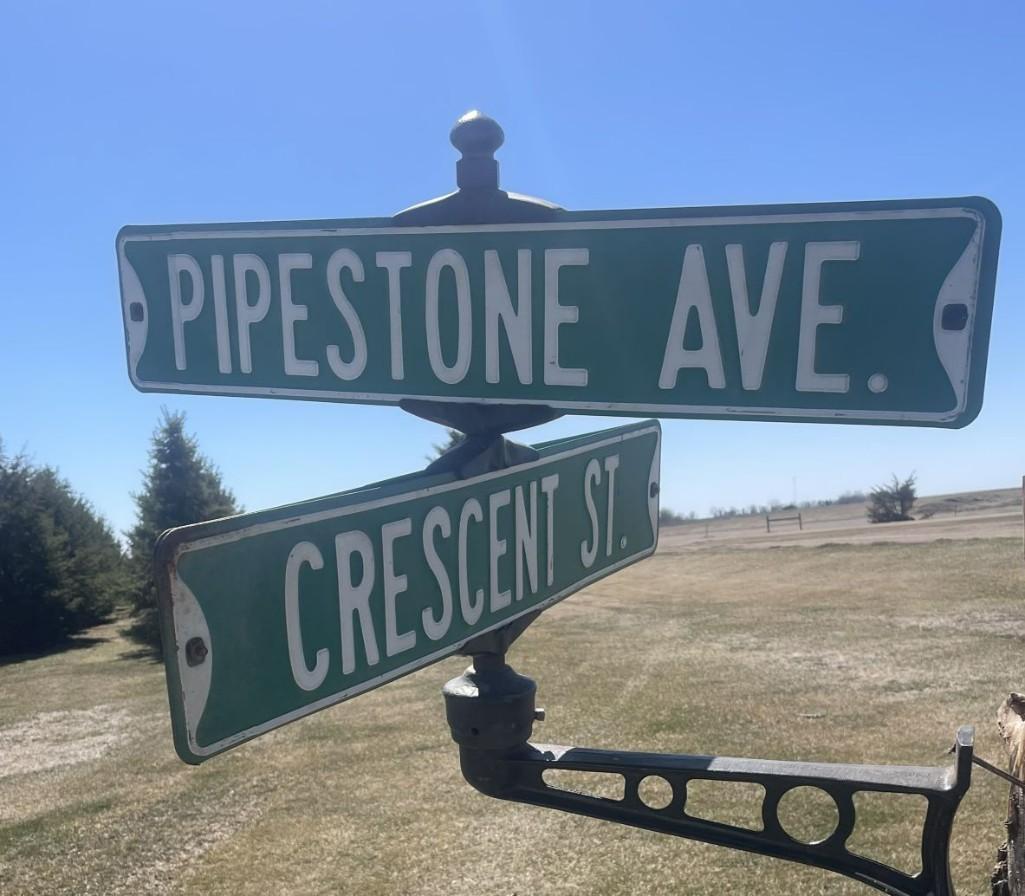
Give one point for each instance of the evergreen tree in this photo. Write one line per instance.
(181, 486)
(452, 438)
(892, 503)
(61, 569)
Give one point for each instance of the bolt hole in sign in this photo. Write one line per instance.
(267, 617)
(870, 312)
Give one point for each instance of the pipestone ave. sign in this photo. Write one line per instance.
(859, 312)
(270, 616)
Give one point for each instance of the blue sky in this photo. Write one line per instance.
(160, 113)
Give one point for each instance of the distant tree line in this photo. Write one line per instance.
(888, 503)
(62, 570)
(851, 497)
(669, 517)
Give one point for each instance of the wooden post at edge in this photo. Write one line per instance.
(1009, 874)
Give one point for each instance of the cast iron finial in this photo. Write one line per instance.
(477, 137)
(479, 201)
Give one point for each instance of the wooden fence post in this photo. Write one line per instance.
(1009, 874)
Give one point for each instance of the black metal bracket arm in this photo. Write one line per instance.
(491, 710)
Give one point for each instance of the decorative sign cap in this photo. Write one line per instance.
(477, 137)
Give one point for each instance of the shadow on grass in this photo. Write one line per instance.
(143, 653)
(79, 642)
(139, 635)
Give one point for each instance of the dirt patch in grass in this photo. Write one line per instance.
(56, 739)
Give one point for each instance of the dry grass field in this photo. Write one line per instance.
(842, 643)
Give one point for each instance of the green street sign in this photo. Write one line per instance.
(270, 616)
(873, 312)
